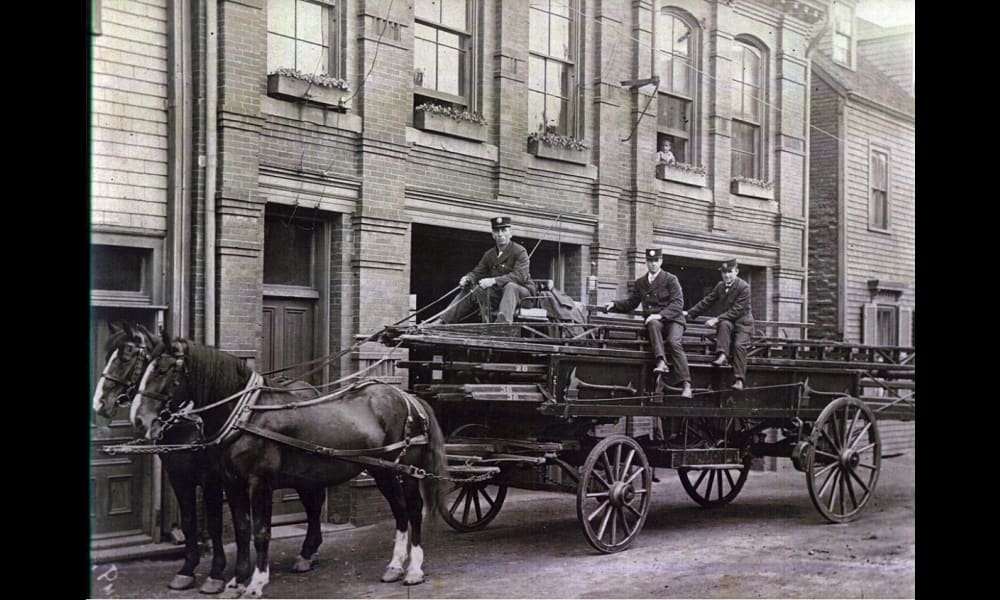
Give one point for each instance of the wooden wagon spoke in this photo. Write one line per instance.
(868, 466)
(850, 430)
(479, 508)
(827, 454)
(833, 490)
(604, 522)
(461, 496)
(628, 464)
(863, 485)
(607, 467)
(638, 515)
(829, 439)
(634, 474)
(861, 434)
(700, 478)
(732, 483)
(604, 482)
(829, 477)
(618, 463)
(599, 508)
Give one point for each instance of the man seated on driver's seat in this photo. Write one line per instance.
(500, 280)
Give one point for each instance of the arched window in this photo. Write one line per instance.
(748, 110)
(674, 58)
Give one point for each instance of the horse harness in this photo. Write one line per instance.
(131, 381)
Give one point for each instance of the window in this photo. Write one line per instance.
(124, 271)
(304, 35)
(288, 251)
(442, 43)
(674, 64)
(843, 28)
(748, 113)
(887, 326)
(552, 67)
(878, 202)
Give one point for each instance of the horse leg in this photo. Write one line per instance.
(213, 509)
(414, 509)
(239, 506)
(312, 499)
(261, 507)
(389, 486)
(184, 490)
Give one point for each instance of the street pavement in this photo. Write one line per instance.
(770, 542)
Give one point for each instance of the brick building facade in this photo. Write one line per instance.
(278, 218)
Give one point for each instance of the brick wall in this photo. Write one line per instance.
(824, 213)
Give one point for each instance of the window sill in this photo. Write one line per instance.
(745, 188)
(883, 231)
(552, 152)
(284, 87)
(670, 173)
(469, 130)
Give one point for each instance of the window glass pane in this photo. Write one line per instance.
(309, 21)
(428, 10)
(682, 38)
(557, 78)
(887, 326)
(681, 82)
(281, 17)
(287, 252)
(449, 39)
(559, 40)
(448, 70)
(538, 31)
(425, 59)
(556, 114)
(665, 71)
(536, 73)
(751, 68)
(310, 58)
(737, 99)
(453, 14)
(118, 268)
(841, 48)
(423, 32)
(751, 103)
(280, 53)
(536, 108)
(559, 7)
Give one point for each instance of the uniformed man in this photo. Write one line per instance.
(730, 300)
(662, 304)
(501, 279)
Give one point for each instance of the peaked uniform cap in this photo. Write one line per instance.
(728, 264)
(653, 253)
(498, 222)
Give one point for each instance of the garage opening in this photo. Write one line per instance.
(439, 256)
(698, 277)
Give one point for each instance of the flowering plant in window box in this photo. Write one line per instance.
(291, 84)
(450, 121)
(682, 173)
(755, 188)
(544, 144)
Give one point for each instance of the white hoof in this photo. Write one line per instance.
(392, 574)
(181, 582)
(212, 586)
(255, 589)
(303, 564)
(413, 579)
(234, 589)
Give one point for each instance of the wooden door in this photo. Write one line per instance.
(120, 485)
(288, 327)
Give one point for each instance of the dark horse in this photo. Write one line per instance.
(129, 350)
(264, 446)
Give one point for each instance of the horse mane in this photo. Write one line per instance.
(214, 374)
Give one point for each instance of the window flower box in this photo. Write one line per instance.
(753, 188)
(440, 123)
(541, 149)
(682, 174)
(288, 87)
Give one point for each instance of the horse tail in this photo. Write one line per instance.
(432, 488)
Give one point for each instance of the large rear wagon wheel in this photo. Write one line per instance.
(843, 460)
(714, 485)
(612, 498)
(471, 506)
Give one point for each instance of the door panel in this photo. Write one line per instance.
(288, 340)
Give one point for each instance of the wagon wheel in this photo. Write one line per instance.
(471, 506)
(612, 498)
(715, 485)
(843, 459)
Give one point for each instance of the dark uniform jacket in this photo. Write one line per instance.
(510, 265)
(732, 306)
(663, 297)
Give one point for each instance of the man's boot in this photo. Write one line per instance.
(661, 366)
(720, 361)
(686, 392)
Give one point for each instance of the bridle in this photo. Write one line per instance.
(136, 365)
(173, 412)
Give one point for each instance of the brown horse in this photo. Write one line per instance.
(323, 441)
(129, 350)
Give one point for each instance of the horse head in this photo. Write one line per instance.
(127, 353)
(162, 393)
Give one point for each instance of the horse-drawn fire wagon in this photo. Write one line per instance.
(576, 406)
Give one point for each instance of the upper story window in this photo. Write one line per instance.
(843, 33)
(304, 35)
(748, 110)
(442, 48)
(675, 58)
(552, 66)
(878, 202)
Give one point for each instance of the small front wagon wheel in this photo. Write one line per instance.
(612, 498)
(843, 460)
(471, 506)
(715, 485)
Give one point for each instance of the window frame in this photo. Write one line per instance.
(889, 312)
(873, 225)
(574, 117)
(761, 171)
(668, 14)
(150, 294)
(333, 15)
(838, 33)
(469, 97)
